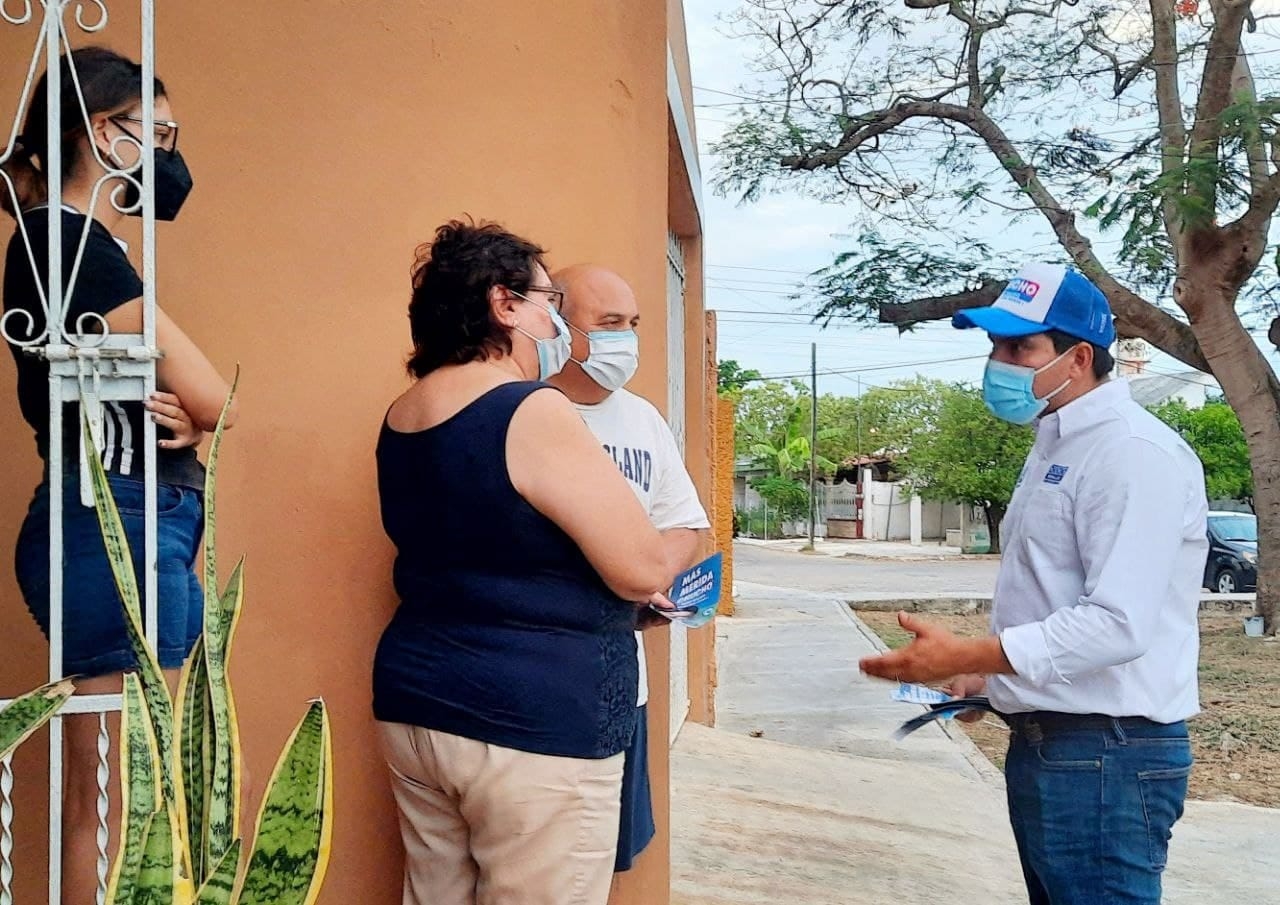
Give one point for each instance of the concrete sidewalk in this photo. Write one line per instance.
(800, 795)
(788, 667)
(756, 822)
(866, 549)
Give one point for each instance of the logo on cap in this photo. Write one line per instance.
(1022, 291)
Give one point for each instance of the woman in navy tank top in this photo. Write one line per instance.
(505, 685)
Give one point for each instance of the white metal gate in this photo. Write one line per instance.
(676, 418)
(85, 361)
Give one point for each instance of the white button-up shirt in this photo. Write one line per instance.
(1104, 546)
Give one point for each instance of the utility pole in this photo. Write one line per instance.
(859, 413)
(813, 442)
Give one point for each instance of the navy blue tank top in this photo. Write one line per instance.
(505, 633)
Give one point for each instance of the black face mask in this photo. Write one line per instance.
(173, 185)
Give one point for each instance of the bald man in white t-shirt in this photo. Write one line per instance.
(603, 314)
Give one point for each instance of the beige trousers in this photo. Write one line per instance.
(485, 825)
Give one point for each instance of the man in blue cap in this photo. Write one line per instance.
(1094, 647)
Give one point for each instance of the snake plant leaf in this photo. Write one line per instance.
(219, 889)
(195, 763)
(291, 849)
(141, 796)
(222, 807)
(211, 597)
(160, 880)
(159, 703)
(24, 715)
(221, 825)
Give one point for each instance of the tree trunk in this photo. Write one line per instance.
(995, 515)
(1250, 387)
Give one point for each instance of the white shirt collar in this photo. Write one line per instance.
(1078, 413)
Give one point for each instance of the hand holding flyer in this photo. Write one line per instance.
(695, 593)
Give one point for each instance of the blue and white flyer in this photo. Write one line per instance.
(696, 593)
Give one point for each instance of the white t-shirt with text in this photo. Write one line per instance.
(635, 435)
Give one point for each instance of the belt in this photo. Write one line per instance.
(1049, 721)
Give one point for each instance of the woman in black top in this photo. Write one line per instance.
(505, 685)
(106, 293)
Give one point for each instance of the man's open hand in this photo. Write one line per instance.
(935, 654)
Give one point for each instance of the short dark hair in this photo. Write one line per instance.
(449, 316)
(1103, 363)
(109, 83)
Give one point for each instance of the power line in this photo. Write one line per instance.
(763, 269)
(869, 368)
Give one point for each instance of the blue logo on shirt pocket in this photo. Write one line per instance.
(1056, 474)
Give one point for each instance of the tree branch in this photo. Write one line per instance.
(1215, 91)
(1173, 131)
(1158, 328)
(904, 315)
(1264, 177)
(1124, 75)
(973, 52)
(1242, 91)
(1133, 313)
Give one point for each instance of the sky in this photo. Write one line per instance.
(758, 253)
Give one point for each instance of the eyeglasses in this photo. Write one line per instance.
(557, 295)
(166, 132)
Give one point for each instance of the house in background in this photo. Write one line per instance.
(1190, 387)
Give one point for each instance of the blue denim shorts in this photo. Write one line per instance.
(635, 825)
(94, 638)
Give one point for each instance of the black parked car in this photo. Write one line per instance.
(1232, 566)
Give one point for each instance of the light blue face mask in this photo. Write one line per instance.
(1009, 390)
(612, 357)
(553, 351)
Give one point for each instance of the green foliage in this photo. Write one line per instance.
(773, 429)
(762, 413)
(24, 715)
(787, 498)
(968, 455)
(734, 377)
(179, 840)
(882, 421)
(773, 423)
(1214, 432)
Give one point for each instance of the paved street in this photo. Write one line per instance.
(801, 795)
(860, 577)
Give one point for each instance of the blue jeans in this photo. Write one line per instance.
(1093, 806)
(94, 641)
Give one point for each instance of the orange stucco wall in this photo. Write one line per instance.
(723, 469)
(327, 140)
(702, 642)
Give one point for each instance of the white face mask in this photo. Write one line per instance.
(553, 351)
(612, 357)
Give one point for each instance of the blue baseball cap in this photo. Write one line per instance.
(1044, 297)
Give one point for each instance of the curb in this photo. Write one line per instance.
(968, 605)
(986, 770)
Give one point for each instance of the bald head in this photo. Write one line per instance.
(596, 298)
